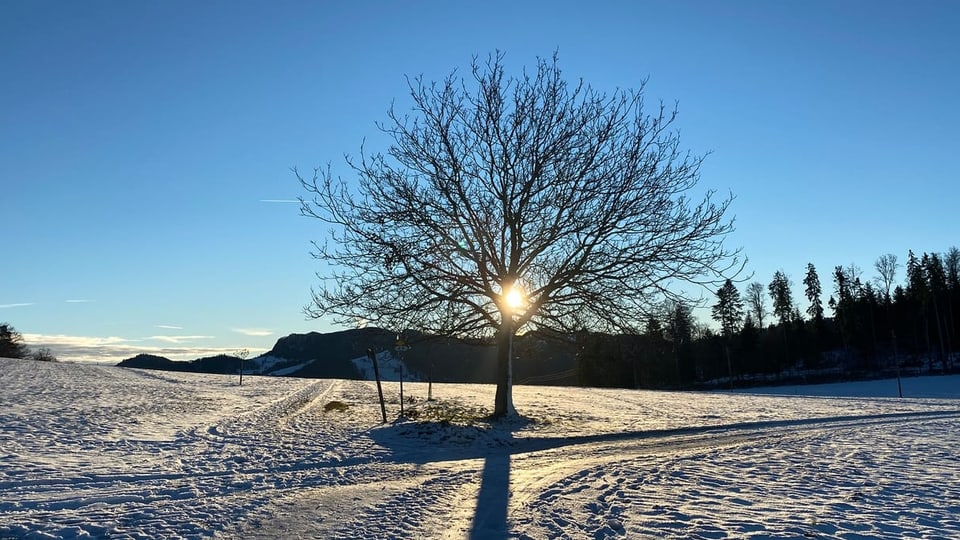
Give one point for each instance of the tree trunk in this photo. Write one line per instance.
(503, 402)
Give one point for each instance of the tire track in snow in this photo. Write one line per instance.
(266, 417)
(545, 478)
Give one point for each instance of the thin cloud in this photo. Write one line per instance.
(79, 341)
(177, 340)
(115, 349)
(169, 327)
(21, 304)
(254, 332)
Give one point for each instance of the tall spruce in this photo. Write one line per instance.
(781, 296)
(916, 280)
(728, 311)
(842, 303)
(917, 298)
(679, 331)
(937, 285)
(813, 292)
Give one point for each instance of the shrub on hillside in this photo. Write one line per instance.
(11, 342)
(43, 355)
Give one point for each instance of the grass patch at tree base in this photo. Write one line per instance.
(338, 406)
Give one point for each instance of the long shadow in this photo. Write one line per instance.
(490, 518)
(508, 445)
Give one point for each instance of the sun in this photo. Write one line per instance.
(514, 297)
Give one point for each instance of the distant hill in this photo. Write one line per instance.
(330, 356)
(538, 359)
(150, 361)
(224, 364)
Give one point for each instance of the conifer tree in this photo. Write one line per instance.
(937, 285)
(813, 292)
(781, 296)
(679, 330)
(728, 311)
(917, 295)
(11, 342)
(916, 281)
(842, 303)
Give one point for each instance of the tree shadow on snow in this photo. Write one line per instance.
(494, 442)
(435, 441)
(490, 518)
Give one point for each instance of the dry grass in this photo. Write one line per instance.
(338, 406)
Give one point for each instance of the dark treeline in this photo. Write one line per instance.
(12, 346)
(905, 318)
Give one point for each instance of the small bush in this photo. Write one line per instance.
(336, 406)
(450, 412)
(44, 355)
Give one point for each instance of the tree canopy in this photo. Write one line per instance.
(492, 184)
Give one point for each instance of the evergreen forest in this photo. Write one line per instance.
(902, 319)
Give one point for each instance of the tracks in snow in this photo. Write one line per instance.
(620, 478)
(540, 485)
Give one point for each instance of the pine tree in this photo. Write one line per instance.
(917, 298)
(728, 311)
(11, 342)
(813, 292)
(842, 304)
(916, 281)
(937, 285)
(679, 330)
(781, 296)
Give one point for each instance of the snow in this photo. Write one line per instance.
(391, 368)
(266, 365)
(91, 451)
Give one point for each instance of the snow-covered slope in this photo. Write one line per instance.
(97, 451)
(391, 368)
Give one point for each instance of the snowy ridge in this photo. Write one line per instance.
(105, 452)
(391, 368)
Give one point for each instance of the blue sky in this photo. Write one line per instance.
(142, 139)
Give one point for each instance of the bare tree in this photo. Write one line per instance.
(756, 302)
(506, 204)
(886, 266)
(43, 354)
(951, 263)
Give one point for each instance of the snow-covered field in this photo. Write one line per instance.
(97, 451)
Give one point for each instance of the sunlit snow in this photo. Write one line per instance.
(98, 451)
